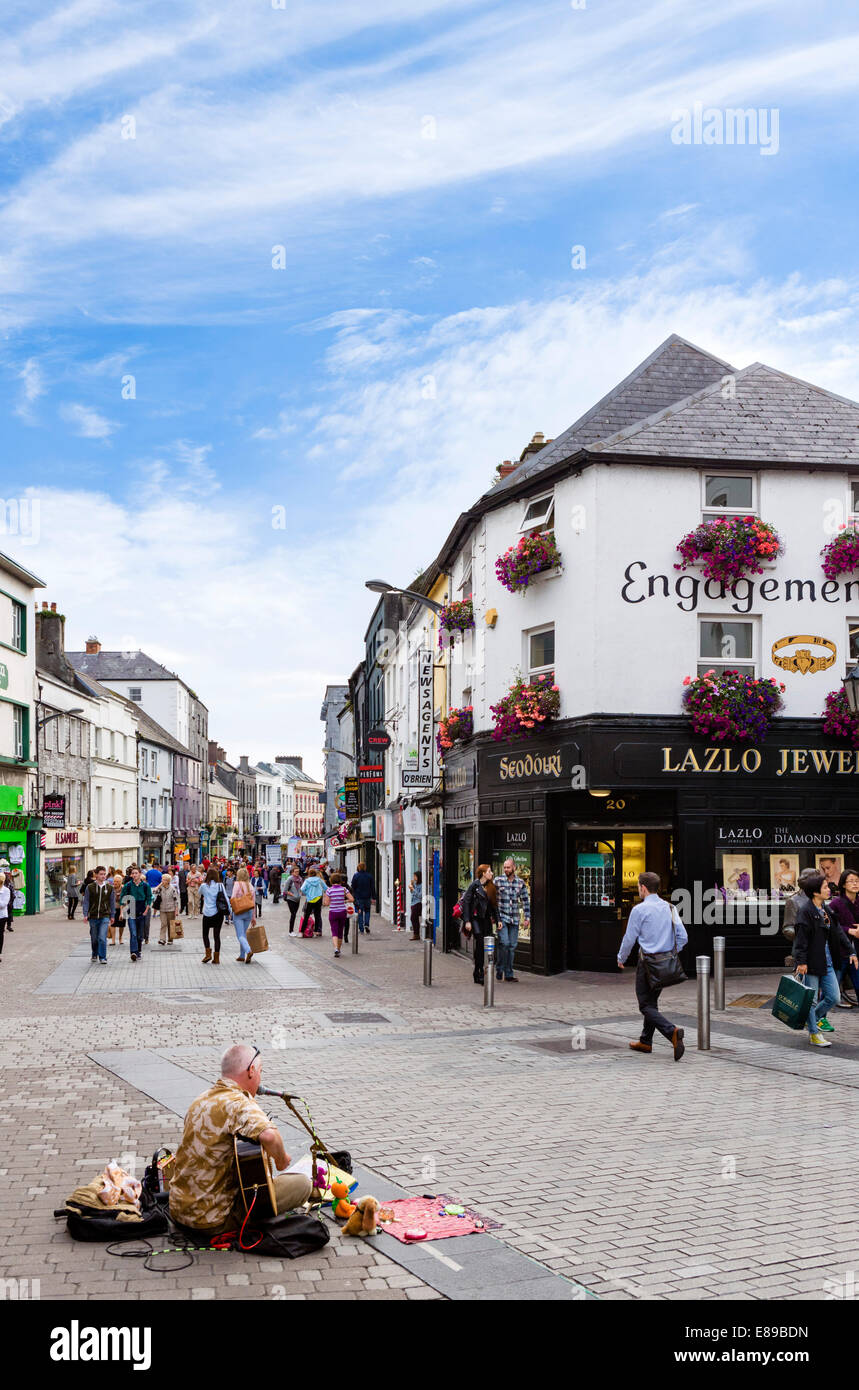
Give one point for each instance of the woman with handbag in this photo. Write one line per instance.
(818, 947)
(293, 895)
(660, 934)
(215, 909)
(242, 907)
(169, 908)
(480, 914)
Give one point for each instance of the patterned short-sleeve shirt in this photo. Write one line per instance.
(204, 1185)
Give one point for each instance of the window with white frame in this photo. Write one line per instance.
(135, 693)
(144, 762)
(466, 584)
(726, 645)
(729, 494)
(540, 651)
(154, 763)
(143, 819)
(18, 730)
(852, 642)
(539, 514)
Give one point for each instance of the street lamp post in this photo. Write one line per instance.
(851, 689)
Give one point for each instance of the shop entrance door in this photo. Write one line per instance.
(603, 868)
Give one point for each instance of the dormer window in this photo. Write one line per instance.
(539, 515)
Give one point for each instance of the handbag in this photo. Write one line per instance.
(793, 1001)
(178, 929)
(243, 902)
(221, 904)
(663, 969)
(257, 939)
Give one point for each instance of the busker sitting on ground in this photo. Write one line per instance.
(204, 1188)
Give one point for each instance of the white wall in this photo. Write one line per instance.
(615, 656)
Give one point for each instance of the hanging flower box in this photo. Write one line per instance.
(525, 709)
(531, 556)
(456, 728)
(729, 548)
(841, 555)
(839, 719)
(455, 617)
(732, 707)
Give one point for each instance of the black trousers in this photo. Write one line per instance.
(2, 933)
(478, 957)
(215, 923)
(314, 910)
(183, 900)
(293, 908)
(73, 903)
(648, 1001)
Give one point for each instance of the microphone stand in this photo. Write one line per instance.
(317, 1148)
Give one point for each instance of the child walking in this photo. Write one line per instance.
(336, 897)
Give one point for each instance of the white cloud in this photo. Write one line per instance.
(33, 387)
(87, 423)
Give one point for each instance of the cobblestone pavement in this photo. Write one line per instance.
(632, 1175)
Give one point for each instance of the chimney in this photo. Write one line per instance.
(93, 646)
(51, 643)
(244, 765)
(538, 442)
(505, 468)
(291, 762)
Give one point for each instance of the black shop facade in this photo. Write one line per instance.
(586, 809)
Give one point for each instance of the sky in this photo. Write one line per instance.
(281, 284)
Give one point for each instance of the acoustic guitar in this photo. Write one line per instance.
(255, 1173)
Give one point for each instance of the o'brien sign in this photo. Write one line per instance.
(783, 762)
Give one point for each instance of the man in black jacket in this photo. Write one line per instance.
(99, 912)
(819, 943)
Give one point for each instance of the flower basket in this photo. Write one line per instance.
(455, 617)
(729, 548)
(732, 707)
(839, 719)
(525, 709)
(456, 728)
(841, 555)
(533, 554)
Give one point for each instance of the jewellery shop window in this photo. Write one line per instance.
(772, 875)
(464, 859)
(514, 844)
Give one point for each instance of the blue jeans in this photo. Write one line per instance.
(828, 985)
(241, 922)
(362, 912)
(134, 925)
(508, 936)
(98, 936)
(847, 968)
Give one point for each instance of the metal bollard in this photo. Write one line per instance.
(702, 966)
(428, 958)
(354, 933)
(718, 972)
(488, 972)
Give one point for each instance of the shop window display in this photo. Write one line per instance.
(522, 861)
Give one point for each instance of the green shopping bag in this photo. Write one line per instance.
(793, 1001)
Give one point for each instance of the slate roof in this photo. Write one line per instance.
(771, 418)
(120, 666)
(672, 373)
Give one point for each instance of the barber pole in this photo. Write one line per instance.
(398, 905)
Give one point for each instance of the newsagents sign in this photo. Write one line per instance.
(424, 774)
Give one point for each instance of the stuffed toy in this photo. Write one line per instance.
(340, 1204)
(362, 1222)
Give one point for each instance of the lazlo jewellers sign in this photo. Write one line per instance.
(781, 762)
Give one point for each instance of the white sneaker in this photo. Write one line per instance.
(818, 1040)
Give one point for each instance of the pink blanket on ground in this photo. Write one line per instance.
(427, 1214)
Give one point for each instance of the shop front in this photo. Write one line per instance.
(19, 850)
(153, 846)
(64, 852)
(583, 813)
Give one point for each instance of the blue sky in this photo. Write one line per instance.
(426, 170)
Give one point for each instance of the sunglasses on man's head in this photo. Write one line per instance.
(257, 1053)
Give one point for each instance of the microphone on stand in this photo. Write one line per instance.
(282, 1095)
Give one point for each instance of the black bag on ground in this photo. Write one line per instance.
(89, 1224)
(291, 1235)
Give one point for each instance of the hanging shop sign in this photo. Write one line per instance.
(54, 812)
(423, 775)
(413, 821)
(371, 772)
(378, 739)
(352, 796)
(13, 822)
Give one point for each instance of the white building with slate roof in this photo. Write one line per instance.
(620, 781)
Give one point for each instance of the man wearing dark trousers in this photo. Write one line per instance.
(654, 924)
(183, 891)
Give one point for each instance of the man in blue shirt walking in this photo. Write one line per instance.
(654, 924)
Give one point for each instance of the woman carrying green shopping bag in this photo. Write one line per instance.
(820, 941)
